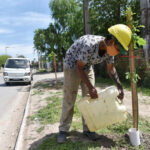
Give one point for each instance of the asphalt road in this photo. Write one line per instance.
(13, 100)
(7, 96)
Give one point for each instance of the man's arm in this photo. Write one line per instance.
(114, 76)
(84, 78)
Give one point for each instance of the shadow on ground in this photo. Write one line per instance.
(75, 141)
(13, 84)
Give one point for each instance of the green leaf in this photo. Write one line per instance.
(128, 76)
(141, 41)
(141, 26)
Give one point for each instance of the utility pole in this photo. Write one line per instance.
(6, 50)
(144, 7)
(87, 27)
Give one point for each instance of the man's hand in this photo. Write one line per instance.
(93, 93)
(121, 93)
(84, 78)
(114, 76)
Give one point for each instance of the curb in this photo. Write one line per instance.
(19, 140)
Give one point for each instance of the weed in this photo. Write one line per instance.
(40, 129)
(38, 92)
(31, 118)
(51, 112)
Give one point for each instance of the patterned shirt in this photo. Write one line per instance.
(86, 49)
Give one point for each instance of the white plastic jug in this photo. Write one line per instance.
(104, 111)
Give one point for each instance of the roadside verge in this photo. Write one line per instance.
(42, 120)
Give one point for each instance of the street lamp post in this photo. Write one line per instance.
(6, 50)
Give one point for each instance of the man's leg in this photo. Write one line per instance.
(85, 92)
(71, 83)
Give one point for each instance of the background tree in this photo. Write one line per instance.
(68, 22)
(21, 56)
(67, 27)
(68, 16)
(40, 45)
(56, 40)
(104, 14)
(39, 40)
(3, 59)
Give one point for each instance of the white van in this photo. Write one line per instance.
(17, 70)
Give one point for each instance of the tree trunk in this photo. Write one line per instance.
(55, 67)
(118, 12)
(87, 27)
(39, 61)
(144, 7)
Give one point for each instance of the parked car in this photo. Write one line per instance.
(17, 70)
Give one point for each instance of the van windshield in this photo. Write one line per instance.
(17, 63)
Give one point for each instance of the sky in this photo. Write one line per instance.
(18, 21)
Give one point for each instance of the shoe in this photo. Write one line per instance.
(62, 137)
(91, 135)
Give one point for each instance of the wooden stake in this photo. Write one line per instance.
(134, 90)
(133, 71)
(55, 69)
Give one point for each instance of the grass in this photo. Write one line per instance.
(122, 141)
(50, 114)
(40, 129)
(48, 85)
(41, 71)
(116, 134)
(51, 144)
(42, 85)
(145, 91)
(38, 92)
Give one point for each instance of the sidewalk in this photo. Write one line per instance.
(34, 132)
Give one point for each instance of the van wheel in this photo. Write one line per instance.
(29, 83)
